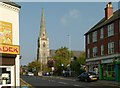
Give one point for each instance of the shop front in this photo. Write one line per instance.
(93, 66)
(117, 65)
(9, 45)
(7, 65)
(110, 70)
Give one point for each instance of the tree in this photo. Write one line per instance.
(75, 66)
(62, 58)
(34, 66)
(77, 62)
(51, 63)
(81, 58)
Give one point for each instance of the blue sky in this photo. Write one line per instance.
(62, 18)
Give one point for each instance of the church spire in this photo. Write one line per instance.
(43, 43)
(43, 26)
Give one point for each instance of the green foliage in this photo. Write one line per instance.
(81, 58)
(77, 62)
(75, 66)
(46, 68)
(34, 66)
(62, 56)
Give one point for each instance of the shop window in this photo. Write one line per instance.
(5, 75)
(109, 71)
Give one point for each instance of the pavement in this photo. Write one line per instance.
(24, 84)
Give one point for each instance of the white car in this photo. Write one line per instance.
(30, 74)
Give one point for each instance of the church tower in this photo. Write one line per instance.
(43, 42)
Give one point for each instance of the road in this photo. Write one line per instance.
(36, 81)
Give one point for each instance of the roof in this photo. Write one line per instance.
(103, 21)
(11, 3)
(75, 53)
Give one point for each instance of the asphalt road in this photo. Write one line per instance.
(54, 82)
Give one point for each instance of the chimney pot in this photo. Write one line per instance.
(108, 10)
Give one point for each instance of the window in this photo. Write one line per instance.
(102, 50)
(6, 75)
(110, 47)
(94, 51)
(119, 25)
(119, 45)
(44, 54)
(101, 33)
(44, 44)
(94, 36)
(88, 53)
(43, 34)
(88, 39)
(110, 29)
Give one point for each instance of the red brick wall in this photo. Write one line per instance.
(105, 40)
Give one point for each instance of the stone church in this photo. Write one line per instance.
(43, 51)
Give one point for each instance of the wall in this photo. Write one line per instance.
(10, 14)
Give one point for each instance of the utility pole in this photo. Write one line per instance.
(69, 45)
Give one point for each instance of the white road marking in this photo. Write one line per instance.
(76, 85)
(62, 83)
(52, 80)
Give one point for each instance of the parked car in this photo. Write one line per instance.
(88, 76)
(30, 74)
(46, 74)
(65, 73)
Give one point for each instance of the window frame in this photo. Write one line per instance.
(111, 47)
(88, 39)
(101, 33)
(94, 36)
(95, 51)
(119, 25)
(102, 50)
(110, 29)
(88, 53)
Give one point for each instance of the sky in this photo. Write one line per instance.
(62, 19)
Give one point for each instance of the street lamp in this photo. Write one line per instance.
(69, 43)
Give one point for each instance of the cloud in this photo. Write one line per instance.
(74, 13)
(70, 16)
(63, 20)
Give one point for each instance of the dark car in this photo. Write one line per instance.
(88, 76)
(65, 73)
(46, 74)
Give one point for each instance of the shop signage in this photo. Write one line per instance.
(93, 63)
(5, 32)
(107, 61)
(9, 49)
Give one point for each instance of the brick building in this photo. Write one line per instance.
(103, 46)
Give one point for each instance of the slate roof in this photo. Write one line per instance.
(10, 3)
(103, 21)
(75, 53)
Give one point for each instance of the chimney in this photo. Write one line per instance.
(108, 10)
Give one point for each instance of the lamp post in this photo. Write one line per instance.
(69, 45)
